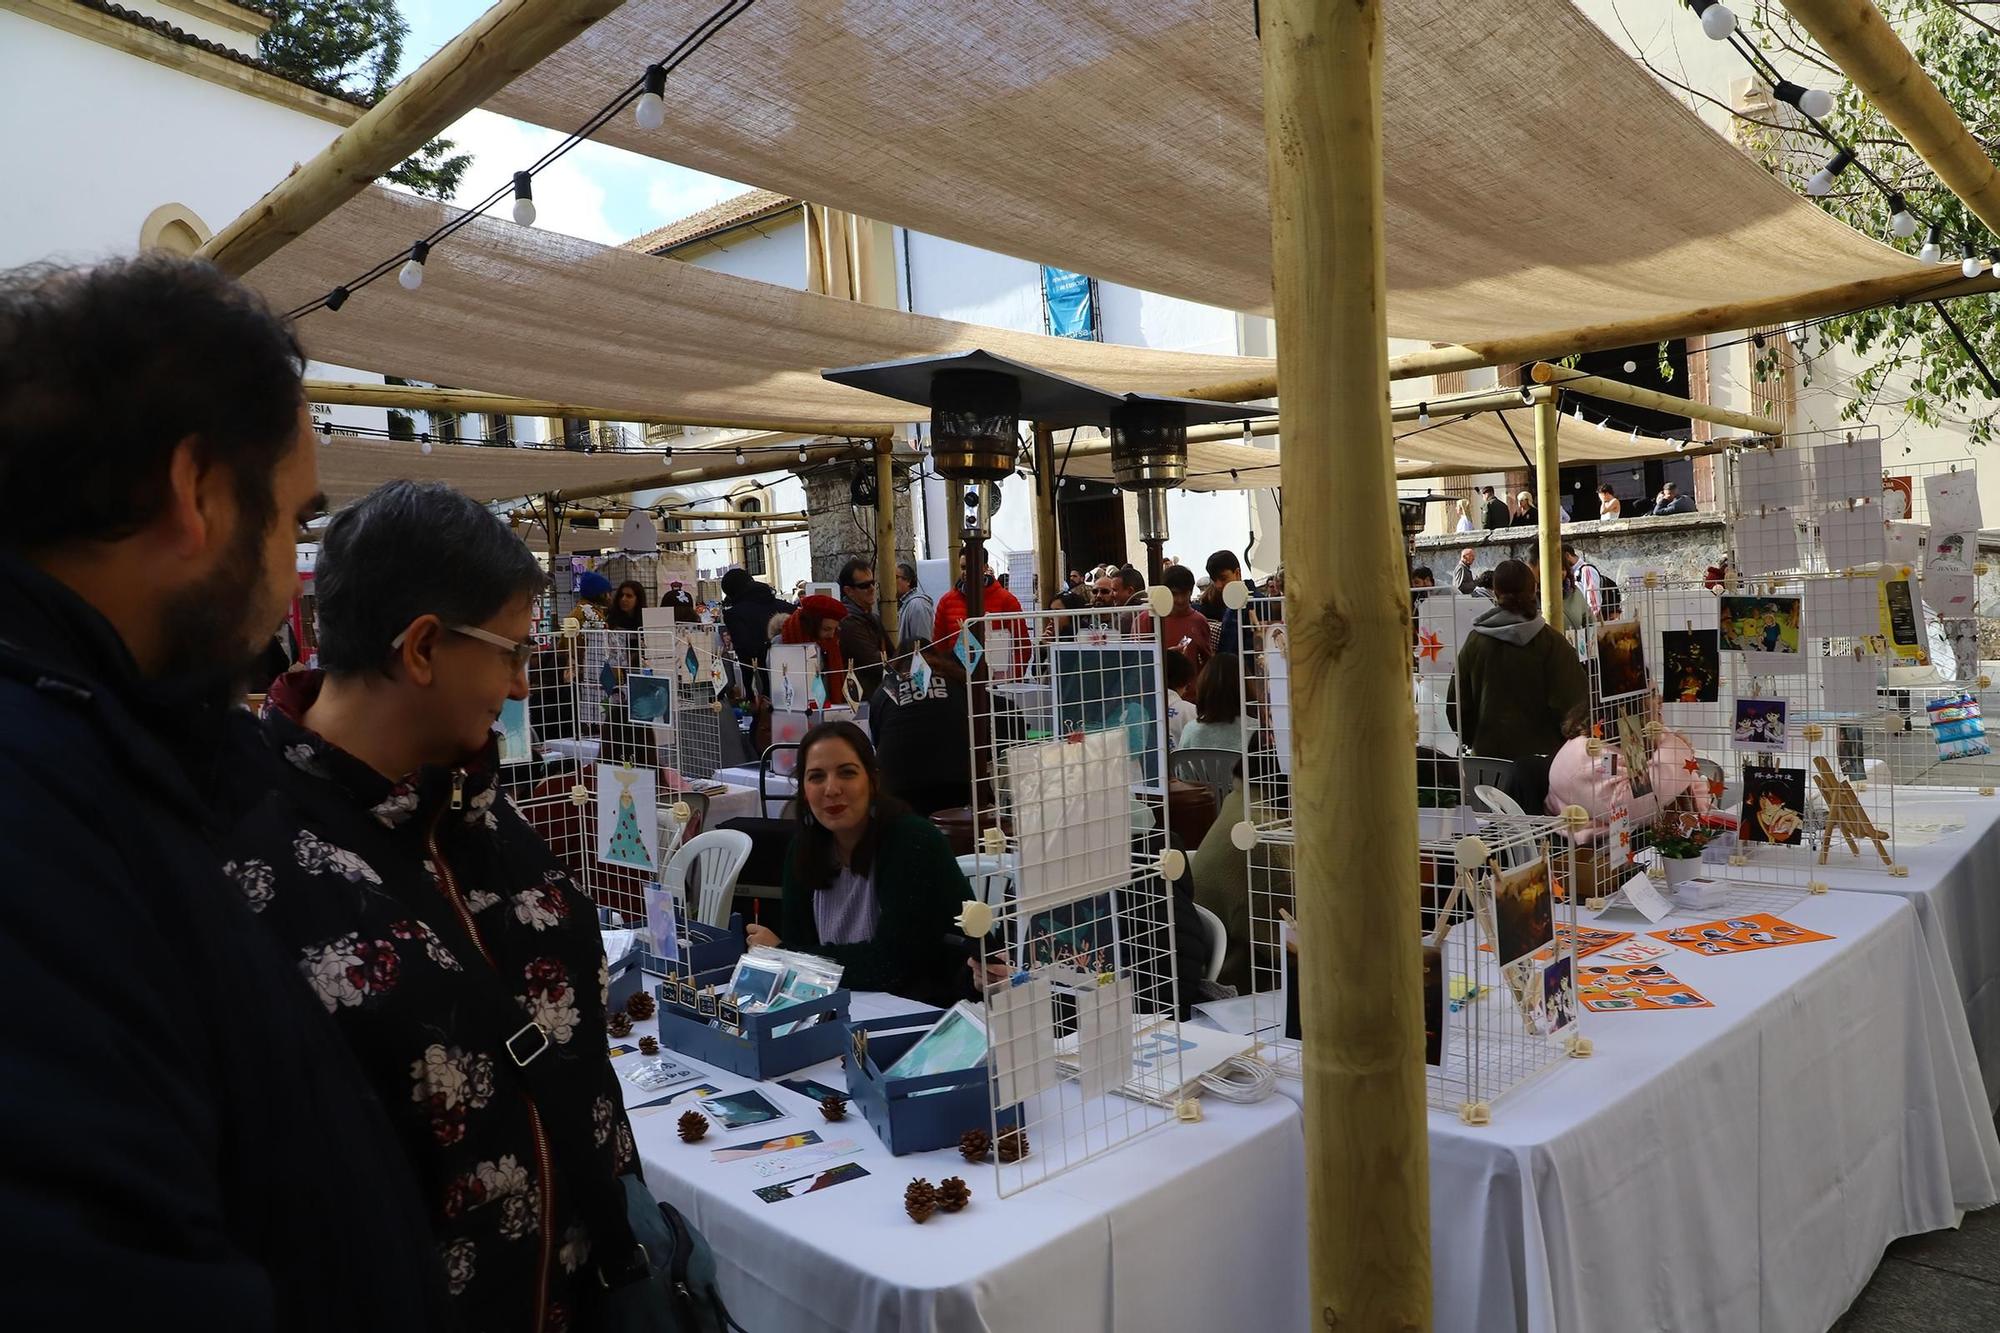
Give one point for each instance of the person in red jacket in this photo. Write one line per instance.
(818, 621)
(997, 600)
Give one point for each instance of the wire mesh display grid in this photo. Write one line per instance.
(1069, 744)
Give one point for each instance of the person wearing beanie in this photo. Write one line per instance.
(591, 654)
(818, 621)
(748, 607)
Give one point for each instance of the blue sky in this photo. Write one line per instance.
(596, 192)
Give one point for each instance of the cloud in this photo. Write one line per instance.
(685, 191)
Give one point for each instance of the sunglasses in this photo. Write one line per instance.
(519, 653)
(864, 587)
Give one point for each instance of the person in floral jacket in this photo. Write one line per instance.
(385, 857)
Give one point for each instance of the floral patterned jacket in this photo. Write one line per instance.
(387, 893)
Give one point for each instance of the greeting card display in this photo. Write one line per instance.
(1609, 987)
(1744, 934)
(1759, 725)
(1071, 800)
(1692, 669)
(1621, 658)
(1523, 911)
(1760, 624)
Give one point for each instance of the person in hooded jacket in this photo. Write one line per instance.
(415, 900)
(748, 608)
(1518, 681)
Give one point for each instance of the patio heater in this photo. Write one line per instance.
(977, 402)
(1149, 451)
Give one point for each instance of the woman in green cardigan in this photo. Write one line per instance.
(868, 884)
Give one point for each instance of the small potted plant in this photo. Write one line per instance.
(1680, 852)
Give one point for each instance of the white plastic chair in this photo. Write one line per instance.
(1499, 802)
(991, 877)
(1213, 769)
(1218, 941)
(718, 858)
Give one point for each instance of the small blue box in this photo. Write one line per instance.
(759, 1052)
(905, 1121)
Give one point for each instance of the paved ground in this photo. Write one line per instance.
(1942, 1282)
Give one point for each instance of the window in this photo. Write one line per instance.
(751, 549)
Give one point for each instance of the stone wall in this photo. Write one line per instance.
(1682, 546)
(838, 530)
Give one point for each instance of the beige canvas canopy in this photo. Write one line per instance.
(1536, 178)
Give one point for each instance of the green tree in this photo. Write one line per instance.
(1913, 359)
(356, 47)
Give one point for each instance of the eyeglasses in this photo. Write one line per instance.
(521, 653)
(864, 587)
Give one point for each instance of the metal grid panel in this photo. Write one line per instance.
(1069, 743)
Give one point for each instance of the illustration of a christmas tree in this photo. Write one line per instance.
(627, 847)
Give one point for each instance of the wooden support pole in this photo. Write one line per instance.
(415, 398)
(1859, 40)
(885, 539)
(1548, 506)
(1347, 610)
(501, 45)
(1575, 381)
(1048, 539)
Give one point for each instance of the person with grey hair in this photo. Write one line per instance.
(1671, 501)
(916, 611)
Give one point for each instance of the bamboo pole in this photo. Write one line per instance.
(1931, 282)
(733, 516)
(415, 398)
(1048, 538)
(885, 540)
(1347, 611)
(1548, 505)
(502, 44)
(1575, 381)
(1856, 37)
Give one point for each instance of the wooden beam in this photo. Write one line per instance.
(885, 540)
(1932, 282)
(1347, 611)
(415, 398)
(1548, 507)
(1857, 38)
(1048, 541)
(1575, 381)
(734, 516)
(501, 45)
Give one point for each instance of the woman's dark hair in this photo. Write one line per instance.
(105, 370)
(1179, 670)
(617, 619)
(1514, 586)
(815, 859)
(1215, 699)
(406, 549)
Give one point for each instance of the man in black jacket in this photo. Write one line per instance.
(183, 1135)
(747, 608)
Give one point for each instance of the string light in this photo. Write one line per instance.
(1816, 103)
(412, 274)
(739, 455)
(1933, 251)
(651, 108)
(524, 198)
(1969, 264)
(424, 442)
(336, 298)
(325, 432)
(667, 454)
(1717, 20)
(1820, 183)
(1423, 415)
(1246, 435)
(1902, 222)
(802, 453)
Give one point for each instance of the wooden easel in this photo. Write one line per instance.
(1844, 814)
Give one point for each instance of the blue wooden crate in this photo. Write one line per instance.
(760, 1050)
(951, 1102)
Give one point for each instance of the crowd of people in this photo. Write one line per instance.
(1485, 511)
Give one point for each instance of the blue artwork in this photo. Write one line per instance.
(652, 698)
(1107, 687)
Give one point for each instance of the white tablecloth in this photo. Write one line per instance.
(780, 786)
(1735, 1168)
(1952, 881)
(1196, 1226)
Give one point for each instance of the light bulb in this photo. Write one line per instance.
(1817, 103)
(651, 108)
(326, 432)
(424, 444)
(1423, 413)
(1246, 435)
(1631, 367)
(411, 275)
(1902, 222)
(1933, 250)
(1821, 181)
(1717, 20)
(1969, 265)
(524, 199)
(802, 453)
(739, 458)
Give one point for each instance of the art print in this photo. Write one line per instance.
(1523, 911)
(1621, 658)
(1741, 934)
(1949, 553)
(741, 1108)
(812, 1184)
(782, 1143)
(1760, 624)
(652, 698)
(1558, 1006)
(1898, 498)
(1692, 668)
(1759, 725)
(628, 820)
(517, 737)
(1774, 804)
(1608, 988)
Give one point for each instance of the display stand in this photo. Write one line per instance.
(1844, 814)
(1070, 802)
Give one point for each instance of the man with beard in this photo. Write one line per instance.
(183, 1134)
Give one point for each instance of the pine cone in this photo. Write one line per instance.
(693, 1126)
(649, 1045)
(953, 1194)
(833, 1108)
(1013, 1144)
(640, 1006)
(974, 1144)
(618, 1025)
(920, 1200)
